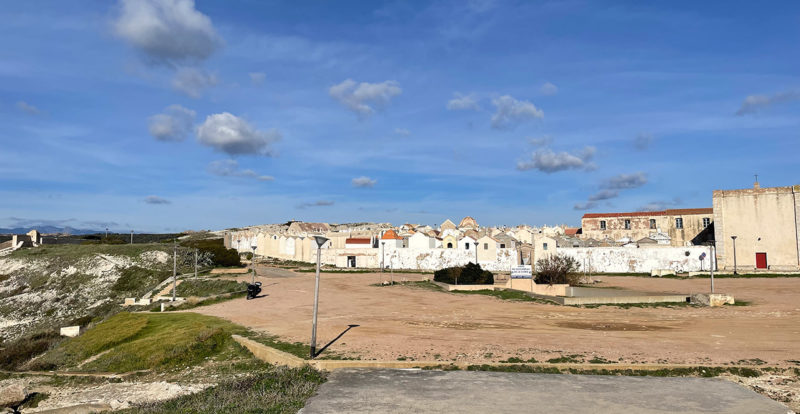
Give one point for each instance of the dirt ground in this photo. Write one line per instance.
(404, 322)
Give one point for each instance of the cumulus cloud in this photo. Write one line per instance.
(402, 132)
(362, 98)
(230, 168)
(612, 187)
(26, 107)
(462, 102)
(626, 181)
(193, 81)
(234, 136)
(156, 200)
(548, 161)
(174, 124)
(755, 103)
(167, 31)
(511, 112)
(258, 77)
(318, 203)
(548, 89)
(364, 182)
(643, 141)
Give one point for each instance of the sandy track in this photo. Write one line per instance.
(419, 324)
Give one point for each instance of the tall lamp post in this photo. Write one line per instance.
(174, 268)
(320, 241)
(734, 255)
(711, 263)
(476, 251)
(253, 262)
(131, 236)
(383, 256)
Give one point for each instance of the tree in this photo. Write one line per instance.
(557, 269)
(469, 274)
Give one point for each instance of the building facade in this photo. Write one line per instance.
(683, 226)
(766, 224)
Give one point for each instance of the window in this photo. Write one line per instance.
(627, 224)
(706, 222)
(678, 223)
(466, 245)
(449, 245)
(486, 246)
(502, 245)
(602, 224)
(652, 223)
(544, 246)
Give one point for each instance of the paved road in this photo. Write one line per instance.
(414, 391)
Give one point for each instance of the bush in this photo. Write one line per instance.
(471, 274)
(219, 254)
(22, 350)
(557, 269)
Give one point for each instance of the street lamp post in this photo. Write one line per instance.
(131, 236)
(320, 241)
(711, 264)
(383, 256)
(734, 255)
(476, 251)
(253, 262)
(195, 263)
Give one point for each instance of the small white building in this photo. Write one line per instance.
(420, 240)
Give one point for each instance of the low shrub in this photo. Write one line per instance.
(22, 350)
(470, 274)
(557, 269)
(216, 248)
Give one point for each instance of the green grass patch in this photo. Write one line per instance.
(141, 341)
(640, 305)
(297, 349)
(204, 288)
(566, 359)
(270, 390)
(204, 302)
(137, 280)
(515, 360)
(500, 294)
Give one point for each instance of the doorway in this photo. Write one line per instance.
(351, 261)
(761, 260)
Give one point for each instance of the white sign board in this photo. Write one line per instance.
(521, 272)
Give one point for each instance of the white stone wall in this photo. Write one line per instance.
(641, 260)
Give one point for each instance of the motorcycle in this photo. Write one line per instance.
(253, 290)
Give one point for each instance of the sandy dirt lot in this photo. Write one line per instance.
(419, 324)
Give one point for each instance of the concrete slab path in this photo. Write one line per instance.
(415, 391)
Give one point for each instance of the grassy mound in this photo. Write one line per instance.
(136, 341)
(205, 288)
(273, 390)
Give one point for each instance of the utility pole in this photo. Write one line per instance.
(174, 268)
(383, 246)
(711, 264)
(195, 263)
(476, 252)
(734, 255)
(131, 236)
(253, 263)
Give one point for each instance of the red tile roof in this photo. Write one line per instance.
(672, 212)
(390, 235)
(355, 240)
(571, 231)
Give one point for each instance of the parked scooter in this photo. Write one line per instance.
(253, 290)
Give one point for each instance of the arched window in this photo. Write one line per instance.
(449, 245)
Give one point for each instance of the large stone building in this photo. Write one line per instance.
(766, 224)
(683, 226)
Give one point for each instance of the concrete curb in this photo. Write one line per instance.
(269, 354)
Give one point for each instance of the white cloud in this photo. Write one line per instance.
(585, 206)
(258, 77)
(230, 168)
(26, 107)
(542, 141)
(548, 89)
(754, 103)
(362, 98)
(626, 181)
(167, 31)
(660, 205)
(156, 200)
(234, 136)
(511, 112)
(174, 124)
(462, 102)
(402, 131)
(192, 81)
(364, 182)
(643, 141)
(319, 203)
(547, 161)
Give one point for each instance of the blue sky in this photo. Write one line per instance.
(165, 115)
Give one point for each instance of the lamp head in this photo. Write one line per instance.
(320, 240)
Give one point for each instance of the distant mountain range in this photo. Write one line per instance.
(50, 230)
